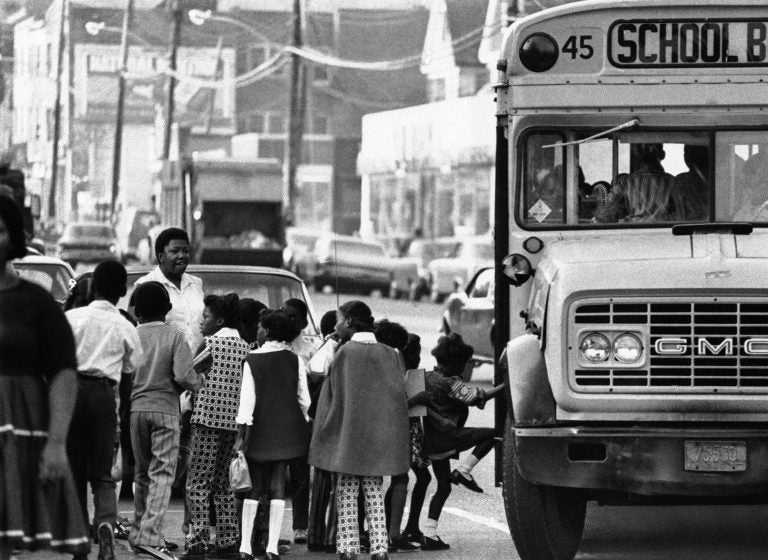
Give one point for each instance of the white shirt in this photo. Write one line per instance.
(248, 387)
(187, 302)
(107, 344)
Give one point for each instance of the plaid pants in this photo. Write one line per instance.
(347, 490)
(208, 474)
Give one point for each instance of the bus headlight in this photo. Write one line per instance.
(538, 52)
(595, 348)
(627, 348)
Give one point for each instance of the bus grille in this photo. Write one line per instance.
(719, 367)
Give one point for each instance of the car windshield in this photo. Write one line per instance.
(651, 178)
(53, 277)
(80, 230)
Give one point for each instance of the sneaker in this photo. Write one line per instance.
(121, 531)
(300, 536)
(106, 537)
(413, 538)
(465, 480)
(401, 544)
(428, 543)
(170, 545)
(159, 552)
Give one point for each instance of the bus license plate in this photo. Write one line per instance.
(715, 456)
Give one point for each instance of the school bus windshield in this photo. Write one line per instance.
(649, 178)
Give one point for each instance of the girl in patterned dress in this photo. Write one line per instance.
(214, 431)
(38, 501)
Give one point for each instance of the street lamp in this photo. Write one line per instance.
(200, 17)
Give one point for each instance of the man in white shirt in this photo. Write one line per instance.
(107, 347)
(186, 291)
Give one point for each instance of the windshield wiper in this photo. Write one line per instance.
(628, 124)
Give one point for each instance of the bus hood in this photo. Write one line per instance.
(654, 260)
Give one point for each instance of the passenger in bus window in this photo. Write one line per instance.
(690, 190)
(754, 206)
(644, 194)
(546, 203)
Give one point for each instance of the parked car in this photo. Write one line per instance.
(271, 286)
(469, 312)
(423, 252)
(53, 274)
(449, 274)
(352, 264)
(299, 251)
(88, 242)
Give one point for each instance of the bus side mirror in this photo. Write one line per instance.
(517, 269)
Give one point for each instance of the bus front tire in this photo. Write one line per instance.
(546, 522)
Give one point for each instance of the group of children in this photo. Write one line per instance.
(259, 388)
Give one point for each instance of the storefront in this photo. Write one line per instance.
(428, 168)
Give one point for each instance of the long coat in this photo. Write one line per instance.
(361, 425)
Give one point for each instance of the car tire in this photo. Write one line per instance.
(546, 522)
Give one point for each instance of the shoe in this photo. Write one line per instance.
(159, 552)
(283, 549)
(170, 545)
(271, 556)
(401, 544)
(465, 480)
(244, 556)
(106, 536)
(193, 553)
(380, 556)
(437, 543)
(283, 541)
(231, 552)
(300, 536)
(121, 531)
(411, 537)
(347, 556)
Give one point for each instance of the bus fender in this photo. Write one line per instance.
(530, 394)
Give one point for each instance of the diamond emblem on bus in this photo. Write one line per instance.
(539, 211)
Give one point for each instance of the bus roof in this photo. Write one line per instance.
(604, 55)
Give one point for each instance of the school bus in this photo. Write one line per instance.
(631, 236)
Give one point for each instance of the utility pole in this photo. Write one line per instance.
(296, 114)
(173, 48)
(117, 153)
(52, 193)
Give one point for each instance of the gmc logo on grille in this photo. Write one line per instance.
(677, 346)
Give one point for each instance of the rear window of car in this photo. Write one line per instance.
(89, 231)
(360, 249)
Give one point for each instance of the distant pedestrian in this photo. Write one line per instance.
(272, 420)
(37, 395)
(107, 347)
(155, 427)
(361, 427)
(214, 432)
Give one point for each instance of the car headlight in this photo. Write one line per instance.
(627, 348)
(595, 348)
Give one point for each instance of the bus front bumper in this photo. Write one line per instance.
(645, 460)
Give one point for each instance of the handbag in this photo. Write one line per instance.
(239, 477)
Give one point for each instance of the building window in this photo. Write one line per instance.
(256, 123)
(319, 124)
(256, 56)
(437, 89)
(241, 61)
(276, 123)
(320, 73)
